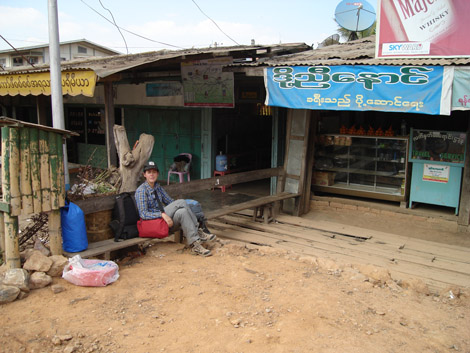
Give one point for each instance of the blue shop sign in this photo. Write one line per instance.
(411, 89)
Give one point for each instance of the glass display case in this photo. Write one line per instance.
(365, 166)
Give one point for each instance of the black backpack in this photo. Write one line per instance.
(125, 216)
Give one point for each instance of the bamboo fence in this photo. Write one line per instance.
(32, 182)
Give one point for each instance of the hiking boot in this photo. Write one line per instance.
(205, 235)
(198, 249)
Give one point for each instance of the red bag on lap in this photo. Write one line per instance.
(152, 228)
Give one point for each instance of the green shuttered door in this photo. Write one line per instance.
(175, 131)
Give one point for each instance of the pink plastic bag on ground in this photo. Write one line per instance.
(90, 273)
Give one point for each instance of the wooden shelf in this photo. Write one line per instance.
(382, 193)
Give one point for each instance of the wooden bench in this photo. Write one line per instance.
(105, 247)
(266, 207)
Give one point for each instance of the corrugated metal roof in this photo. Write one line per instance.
(109, 65)
(358, 52)
(46, 45)
(6, 121)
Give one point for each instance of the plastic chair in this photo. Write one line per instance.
(181, 174)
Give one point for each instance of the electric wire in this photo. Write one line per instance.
(17, 51)
(220, 29)
(124, 39)
(135, 34)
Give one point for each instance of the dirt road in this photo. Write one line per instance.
(242, 299)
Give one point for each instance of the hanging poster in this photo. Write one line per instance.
(422, 28)
(205, 85)
(461, 89)
(411, 89)
(436, 173)
(163, 89)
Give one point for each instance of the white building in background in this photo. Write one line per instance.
(39, 54)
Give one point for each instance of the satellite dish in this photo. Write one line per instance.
(355, 16)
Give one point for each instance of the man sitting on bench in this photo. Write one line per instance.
(150, 195)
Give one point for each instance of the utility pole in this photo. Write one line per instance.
(56, 80)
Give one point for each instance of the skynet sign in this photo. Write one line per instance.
(415, 48)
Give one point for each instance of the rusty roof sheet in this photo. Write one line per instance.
(109, 65)
(358, 52)
(6, 121)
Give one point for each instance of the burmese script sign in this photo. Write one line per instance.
(439, 146)
(74, 83)
(411, 89)
(436, 173)
(423, 28)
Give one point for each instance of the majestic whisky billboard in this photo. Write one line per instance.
(423, 28)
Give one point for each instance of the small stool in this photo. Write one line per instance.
(216, 173)
(264, 213)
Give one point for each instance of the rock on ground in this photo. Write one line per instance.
(39, 280)
(17, 277)
(8, 293)
(38, 262)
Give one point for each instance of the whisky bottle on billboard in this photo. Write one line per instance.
(425, 20)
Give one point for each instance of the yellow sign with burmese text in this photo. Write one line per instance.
(74, 83)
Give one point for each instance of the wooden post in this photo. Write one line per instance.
(110, 120)
(54, 172)
(464, 209)
(55, 232)
(35, 170)
(2, 236)
(12, 252)
(15, 193)
(25, 176)
(6, 164)
(295, 162)
(12, 256)
(44, 171)
(304, 173)
(310, 160)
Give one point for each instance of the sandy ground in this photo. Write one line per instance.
(255, 299)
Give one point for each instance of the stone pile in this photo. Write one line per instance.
(37, 272)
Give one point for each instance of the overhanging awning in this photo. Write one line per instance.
(74, 83)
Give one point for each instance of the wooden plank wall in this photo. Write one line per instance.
(464, 209)
(295, 162)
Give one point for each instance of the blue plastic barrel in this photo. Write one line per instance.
(221, 163)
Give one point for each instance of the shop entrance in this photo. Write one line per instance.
(365, 155)
(244, 135)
